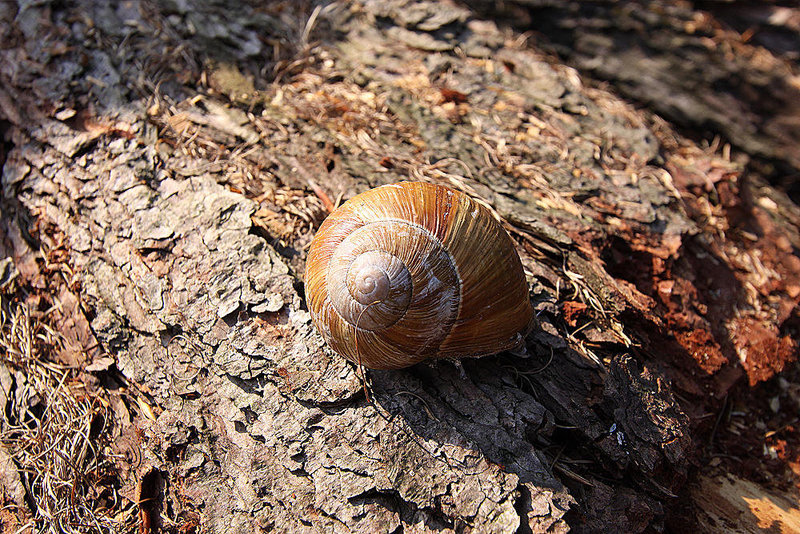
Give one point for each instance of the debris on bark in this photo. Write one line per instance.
(164, 168)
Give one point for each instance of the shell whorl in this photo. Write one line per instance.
(395, 276)
(379, 270)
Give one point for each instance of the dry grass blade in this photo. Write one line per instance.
(51, 430)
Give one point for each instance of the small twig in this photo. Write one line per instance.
(427, 408)
(537, 371)
(573, 475)
(717, 422)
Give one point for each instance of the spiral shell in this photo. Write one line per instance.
(413, 271)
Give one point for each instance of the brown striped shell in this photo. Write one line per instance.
(413, 271)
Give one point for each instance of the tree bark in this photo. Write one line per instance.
(725, 69)
(187, 151)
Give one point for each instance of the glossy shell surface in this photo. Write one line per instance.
(414, 271)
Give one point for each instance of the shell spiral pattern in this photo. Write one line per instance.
(413, 271)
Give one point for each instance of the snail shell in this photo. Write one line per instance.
(413, 271)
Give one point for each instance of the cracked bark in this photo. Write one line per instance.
(193, 288)
(689, 62)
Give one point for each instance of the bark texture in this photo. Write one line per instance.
(716, 68)
(186, 151)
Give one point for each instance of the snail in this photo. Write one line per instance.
(413, 271)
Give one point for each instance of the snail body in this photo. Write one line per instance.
(414, 271)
